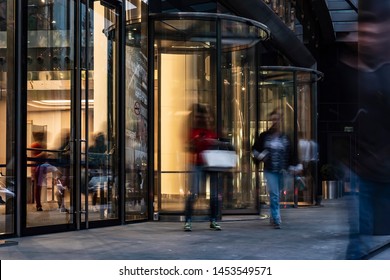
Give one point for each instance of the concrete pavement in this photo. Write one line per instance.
(308, 233)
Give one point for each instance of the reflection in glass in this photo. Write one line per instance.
(49, 188)
(136, 122)
(101, 192)
(51, 107)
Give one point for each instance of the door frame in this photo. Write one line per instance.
(81, 16)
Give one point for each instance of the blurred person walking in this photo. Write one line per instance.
(273, 147)
(39, 153)
(64, 167)
(97, 166)
(369, 206)
(201, 138)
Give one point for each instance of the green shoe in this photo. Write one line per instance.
(215, 226)
(187, 227)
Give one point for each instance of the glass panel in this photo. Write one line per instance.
(239, 82)
(7, 124)
(239, 35)
(307, 142)
(136, 112)
(101, 121)
(50, 62)
(184, 35)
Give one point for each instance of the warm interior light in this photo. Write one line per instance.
(59, 101)
(56, 104)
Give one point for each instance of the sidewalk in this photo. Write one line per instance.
(308, 233)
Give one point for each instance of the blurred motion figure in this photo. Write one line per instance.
(201, 137)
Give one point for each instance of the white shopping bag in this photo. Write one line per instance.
(222, 159)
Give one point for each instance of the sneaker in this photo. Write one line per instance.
(187, 227)
(215, 226)
(277, 226)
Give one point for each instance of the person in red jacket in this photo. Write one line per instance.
(201, 137)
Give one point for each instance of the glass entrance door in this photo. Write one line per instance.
(49, 138)
(71, 116)
(99, 188)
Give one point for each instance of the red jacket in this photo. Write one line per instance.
(200, 139)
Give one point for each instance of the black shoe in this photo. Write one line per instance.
(215, 226)
(277, 226)
(39, 209)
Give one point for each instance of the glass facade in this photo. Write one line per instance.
(71, 114)
(8, 175)
(136, 112)
(97, 99)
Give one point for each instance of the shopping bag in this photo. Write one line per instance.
(221, 156)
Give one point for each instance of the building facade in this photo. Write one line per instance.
(96, 102)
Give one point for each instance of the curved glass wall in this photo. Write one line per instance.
(214, 61)
(208, 59)
(293, 90)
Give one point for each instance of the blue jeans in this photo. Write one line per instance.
(198, 181)
(274, 180)
(367, 215)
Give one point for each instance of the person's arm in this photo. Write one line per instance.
(258, 151)
(294, 168)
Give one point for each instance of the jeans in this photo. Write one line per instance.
(274, 180)
(198, 180)
(368, 210)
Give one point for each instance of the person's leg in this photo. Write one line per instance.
(273, 181)
(59, 198)
(214, 199)
(38, 190)
(94, 197)
(62, 207)
(213, 196)
(192, 196)
(189, 207)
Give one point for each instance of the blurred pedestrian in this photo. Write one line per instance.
(201, 137)
(369, 214)
(64, 168)
(273, 147)
(41, 176)
(39, 153)
(97, 164)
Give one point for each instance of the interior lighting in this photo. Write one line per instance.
(58, 101)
